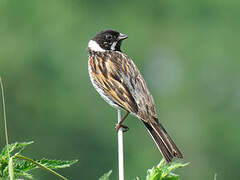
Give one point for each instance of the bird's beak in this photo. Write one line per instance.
(122, 36)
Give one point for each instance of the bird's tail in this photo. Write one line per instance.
(163, 141)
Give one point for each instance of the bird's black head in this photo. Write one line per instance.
(109, 40)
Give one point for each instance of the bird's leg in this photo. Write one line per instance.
(120, 125)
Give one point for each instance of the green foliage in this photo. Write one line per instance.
(6, 157)
(106, 175)
(163, 171)
(13, 164)
(15, 147)
(56, 164)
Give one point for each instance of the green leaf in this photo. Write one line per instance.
(19, 173)
(16, 147)
(18, 168)
(176, 165)
(106, 175)
(45, 164)
(163, 171)
(22, 165)
(56, 164)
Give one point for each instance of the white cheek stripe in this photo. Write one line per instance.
(113, 46)
(94, 46)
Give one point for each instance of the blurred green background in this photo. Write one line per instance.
(187, 51)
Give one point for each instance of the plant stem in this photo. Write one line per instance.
(40, 165)
(10, 169)
(4, 114)
(120, 149)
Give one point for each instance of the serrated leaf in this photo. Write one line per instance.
(52, 164)
(23, 165)
(176, 165)
(15, 147)
(154, 173)
(19, 173)
(19, 168)
(163, 171)
(55, 164)
(106, 175)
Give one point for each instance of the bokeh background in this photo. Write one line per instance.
(187, 51)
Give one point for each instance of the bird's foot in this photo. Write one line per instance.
(118, 126)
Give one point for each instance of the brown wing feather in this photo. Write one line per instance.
(105, 72)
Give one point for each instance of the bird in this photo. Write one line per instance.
(119, 82)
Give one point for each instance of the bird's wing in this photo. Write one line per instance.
(109, 72)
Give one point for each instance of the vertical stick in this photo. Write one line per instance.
(120, 149)
(4, 113)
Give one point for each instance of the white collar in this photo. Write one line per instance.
(94, 46)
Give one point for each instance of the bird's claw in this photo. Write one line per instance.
(125, 128)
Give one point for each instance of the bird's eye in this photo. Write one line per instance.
(105, 44)
(109, 36)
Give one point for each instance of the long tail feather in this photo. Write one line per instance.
(163, 141)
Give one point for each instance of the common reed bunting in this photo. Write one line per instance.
(119, 82)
